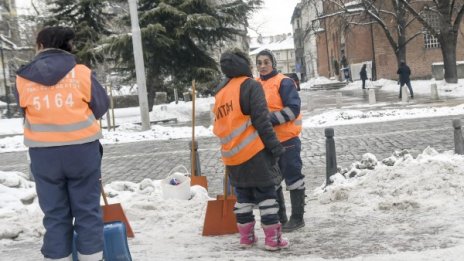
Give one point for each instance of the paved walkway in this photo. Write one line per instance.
(154, 159)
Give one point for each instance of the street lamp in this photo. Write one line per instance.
(139, 66)
(7, 89)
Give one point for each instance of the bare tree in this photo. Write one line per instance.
(391, 17)
(449, 14)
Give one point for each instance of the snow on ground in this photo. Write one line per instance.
(129, 131)
(374, 204)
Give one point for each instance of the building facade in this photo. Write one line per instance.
(304, 22)
(281, 45)
(362, 41)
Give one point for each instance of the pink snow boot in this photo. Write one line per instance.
(247, 234)
(274, 239)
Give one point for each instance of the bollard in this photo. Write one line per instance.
(330, 155)
(176, 96)
(434, 92)
(197, 159)
(338, 99)
(404, 94)
(458, 140)
(372, 99)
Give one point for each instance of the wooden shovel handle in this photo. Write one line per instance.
(226, 184)
(193, 159)
(103, 193)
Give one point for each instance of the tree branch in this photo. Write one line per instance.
(420, 18)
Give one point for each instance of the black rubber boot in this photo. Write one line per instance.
(296, 221)
(281, 201)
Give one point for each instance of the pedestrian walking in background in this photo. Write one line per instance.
(363, 76)
(249, 149)
(284, 104)
(345, 67)
(62, 102)
(404, 73)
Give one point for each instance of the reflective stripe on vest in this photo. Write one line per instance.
(285, 130)
(60, 114)
(239, 139)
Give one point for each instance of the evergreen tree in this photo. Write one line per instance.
(89, 20)
(177, 37)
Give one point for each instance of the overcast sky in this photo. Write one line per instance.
(274, 18)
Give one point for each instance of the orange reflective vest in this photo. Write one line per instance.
(239, 138)
(285, 130)
(58, 115)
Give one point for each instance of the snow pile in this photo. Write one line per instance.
(400, 208)
(316, 80)
(20, 214)
(431, 180)
(21, 217)
(345, 116)
(182, 110)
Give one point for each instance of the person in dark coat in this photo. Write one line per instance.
(250, 149)
(404, 73)
(363, 76)
(62, 102)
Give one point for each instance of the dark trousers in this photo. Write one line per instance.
(290, 164)
(264, 197)
(68, 186)
(363, 83)
(408, 83)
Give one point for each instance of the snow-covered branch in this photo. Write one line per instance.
(12, 45)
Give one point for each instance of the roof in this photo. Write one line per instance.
(283, 44)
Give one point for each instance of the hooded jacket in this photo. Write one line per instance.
(54, 67)
(262, 169)
(404, 72)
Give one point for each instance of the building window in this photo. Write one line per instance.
(277, 55)
(431, 41)
(291, 55)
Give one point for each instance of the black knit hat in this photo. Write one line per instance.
(268, 53)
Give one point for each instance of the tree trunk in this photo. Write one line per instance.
(154, 84)
(448, 49)
(401, 21)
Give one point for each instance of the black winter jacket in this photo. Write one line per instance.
(363, 73)
(262, 169)
(404, 71)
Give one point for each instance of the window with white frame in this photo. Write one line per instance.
(431, 41)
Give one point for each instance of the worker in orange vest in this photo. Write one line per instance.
(249, 149)
(62, 102)
(284, 104)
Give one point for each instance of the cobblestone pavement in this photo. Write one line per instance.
(154, 159)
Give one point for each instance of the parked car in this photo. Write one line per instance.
(294, 77)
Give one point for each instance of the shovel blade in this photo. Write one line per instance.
(114, 212)
(199, 180)
(220, 218)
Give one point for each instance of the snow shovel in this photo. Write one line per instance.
(220, 218)
(195, 178)
(114, 212)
